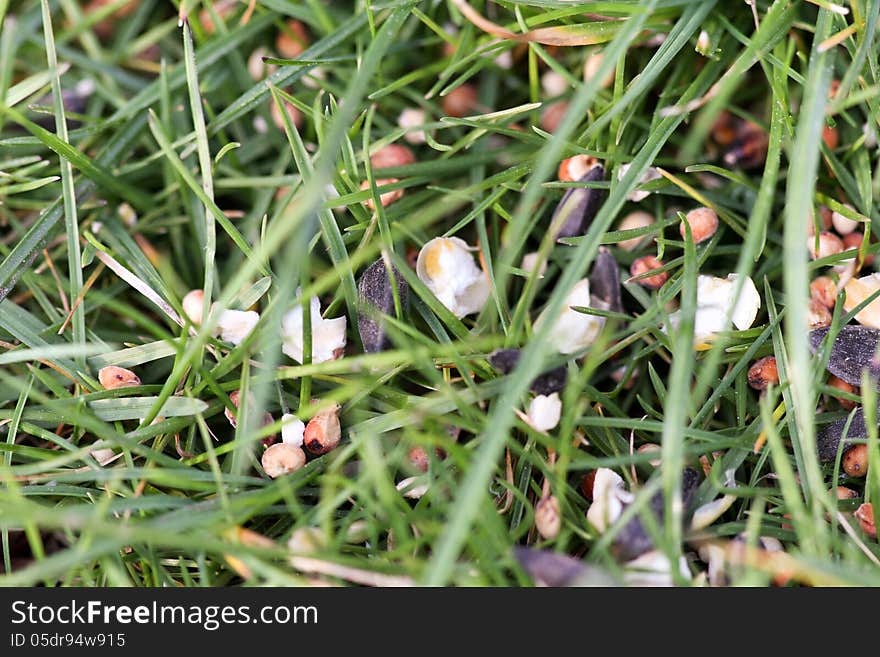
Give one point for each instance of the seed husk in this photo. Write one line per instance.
(377, 298)
(605, 280)
(852, 352)
(634, 540)
(579, 205)
(504, 360)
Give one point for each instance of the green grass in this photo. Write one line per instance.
(226, 201)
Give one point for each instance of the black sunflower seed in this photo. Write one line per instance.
(377, 298)
(549, 568)
(504, 360)
(852, 352)
(605, 280)
(579, 205)
(634, 540)
(828, 438)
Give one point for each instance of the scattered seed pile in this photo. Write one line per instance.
(485, 293)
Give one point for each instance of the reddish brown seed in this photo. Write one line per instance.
(831, 137)
(844, 493)
(385, 198)
(418, 457)
(552, 116)
(461, 101)
(587, 482)
(865, 515)
(574, 168)
(703, 223)
(296, 117)
(392, 155)
(843, 386)
(818, 316)
(855, 461)
(854, 241)
(113, 377)
(824, 290)
(281, 459)
(749, 149)
(724, 129)
(292, 42)
(763, 373)
(323, 431)
(646, 264)
(832, 89)
(825, 220)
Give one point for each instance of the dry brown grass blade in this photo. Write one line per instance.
(584, 34)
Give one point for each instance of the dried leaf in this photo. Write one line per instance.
(553, 569)
(583, 34)
(852, 353)
(504, 360)
(377, 297)
(579, 206)
(605, 280)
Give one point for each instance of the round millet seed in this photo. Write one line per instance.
(824, 290)
(291, 43)
(854, 241)
(818, 315)
(646, 264)
(825, 221)
(843, 386)
(703, 223)
(323, 432)
(392, 155)
(574, 168)
(385, 198)
(763, 373)
(591, 68)
(552, 116)
(855, 461)
(865, 515)
(281, 459)
(548, 518)
(651, 448)
(843, 224)
(296, 117)
(632, 221)
(113, 377)
(829, 244)
(192, 306)
(461, 101)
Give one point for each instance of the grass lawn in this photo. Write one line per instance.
(412, 292)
